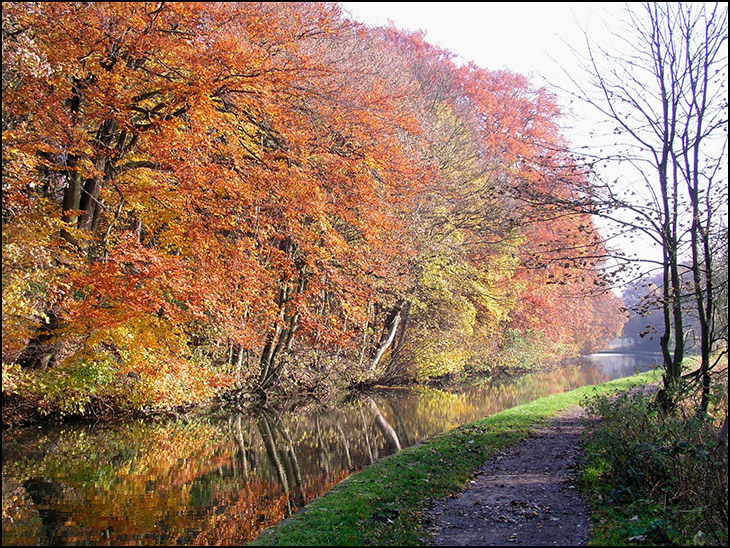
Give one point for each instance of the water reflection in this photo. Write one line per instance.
(222, 479)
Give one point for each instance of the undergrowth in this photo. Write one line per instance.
(656, 479)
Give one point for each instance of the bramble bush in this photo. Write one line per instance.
(659, 479)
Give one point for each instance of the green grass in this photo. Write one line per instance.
(383, 504)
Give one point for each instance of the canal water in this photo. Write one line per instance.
(221, 479)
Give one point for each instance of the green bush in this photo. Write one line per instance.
(659, 480)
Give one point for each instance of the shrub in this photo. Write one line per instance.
(659, 479)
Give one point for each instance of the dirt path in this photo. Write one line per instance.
(522, 496)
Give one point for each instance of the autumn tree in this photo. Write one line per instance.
(202, 197)
(480, 246)
(191, 176)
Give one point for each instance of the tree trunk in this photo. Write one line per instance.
(389, 332)
(282, 336)
(71, 199)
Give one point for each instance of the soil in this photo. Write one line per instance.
(523, 496)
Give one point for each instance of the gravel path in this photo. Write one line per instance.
(522, 496)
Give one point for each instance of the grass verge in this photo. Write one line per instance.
(382, 505)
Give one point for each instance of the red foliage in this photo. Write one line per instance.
(224, 175)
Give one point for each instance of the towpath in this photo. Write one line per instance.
(523, 496)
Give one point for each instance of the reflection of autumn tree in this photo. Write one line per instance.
(172, 483)
(21, 521)
(40, 491)
(401, 425)
(281, 453)
(346, 445)
(244, 453)
(366, 437)
(240, 517)
(103, 477)
(386, 429)
(323, 453)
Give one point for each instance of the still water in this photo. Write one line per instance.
(221, 479)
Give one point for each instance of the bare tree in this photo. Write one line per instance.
(663, 93)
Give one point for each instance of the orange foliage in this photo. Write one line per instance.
(201, 179)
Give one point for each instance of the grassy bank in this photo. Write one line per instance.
(382, 505)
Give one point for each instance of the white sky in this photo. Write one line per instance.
(518, 36)
(533, 39)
